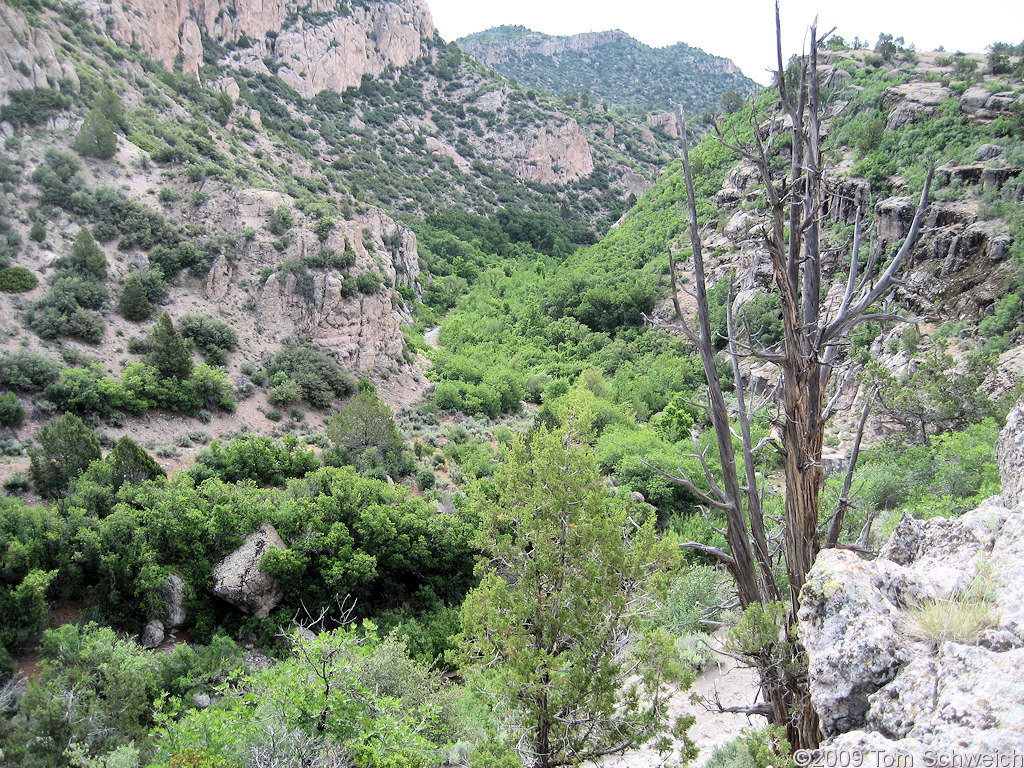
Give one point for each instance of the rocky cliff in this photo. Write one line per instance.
(314, 46)
(921, 651)
(28, 57)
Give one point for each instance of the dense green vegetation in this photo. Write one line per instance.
(618, 70)
(417, 548)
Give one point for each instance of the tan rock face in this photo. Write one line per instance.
(666, 121)
(363, 331)
(27, 55)
(337, 55)
(557, 155)
(313, 57)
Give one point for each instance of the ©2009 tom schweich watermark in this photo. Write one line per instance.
(928, 758)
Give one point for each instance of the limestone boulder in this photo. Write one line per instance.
(237, 579)
(1010, 455)
(152, 635)
(849, 617)
(172, 593)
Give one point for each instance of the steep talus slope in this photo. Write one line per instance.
(610, 67)
(877, 681)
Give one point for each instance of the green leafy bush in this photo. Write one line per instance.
(281, 220)
(26, 371)
(11, 412)
(255, 458)
(213, 338)
(320, 379)
(32, 106)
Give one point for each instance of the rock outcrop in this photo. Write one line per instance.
(557, 155)
(879, 685)
(237, 579)
(28, 56)
(362, 330)
(322, 47)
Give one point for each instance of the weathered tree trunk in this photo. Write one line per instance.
(810, 347)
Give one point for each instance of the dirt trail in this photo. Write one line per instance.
(736, 686)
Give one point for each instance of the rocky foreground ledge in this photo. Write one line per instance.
(889, 686)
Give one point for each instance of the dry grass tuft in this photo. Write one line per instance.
(960, 619)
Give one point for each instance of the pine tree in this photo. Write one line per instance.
(96, 137)
(67, 447)
(134, 303)
(168, 351)
(86, 256)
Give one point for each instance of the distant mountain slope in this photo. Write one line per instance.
(609, 67)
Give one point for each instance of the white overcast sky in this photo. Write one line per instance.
(742, 30)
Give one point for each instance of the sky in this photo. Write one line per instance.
(743, 30)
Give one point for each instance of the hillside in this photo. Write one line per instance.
(610, 68)
(283, 159)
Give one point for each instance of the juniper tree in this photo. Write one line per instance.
(134, 303)
(86, 258)
(555, 632)
(66, 448)
(168, 351)
(96, 137)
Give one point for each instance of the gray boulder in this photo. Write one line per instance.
(152, 635)
(1010, 455)
(878, 689)
(172, 593)
(237, 579)
(989, 151)
(849, 619)
(961, 695)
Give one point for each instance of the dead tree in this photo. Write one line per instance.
(813, 337)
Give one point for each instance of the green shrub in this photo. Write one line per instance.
(213, 338)
(37, 232)
(285, 392)
(17, 280)
(17, 483)
(32, 106)
(425, 479)
(11, 412)
(695, 597)
(320, 379)
(281, 220)
(26, 371)
(369, 282)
